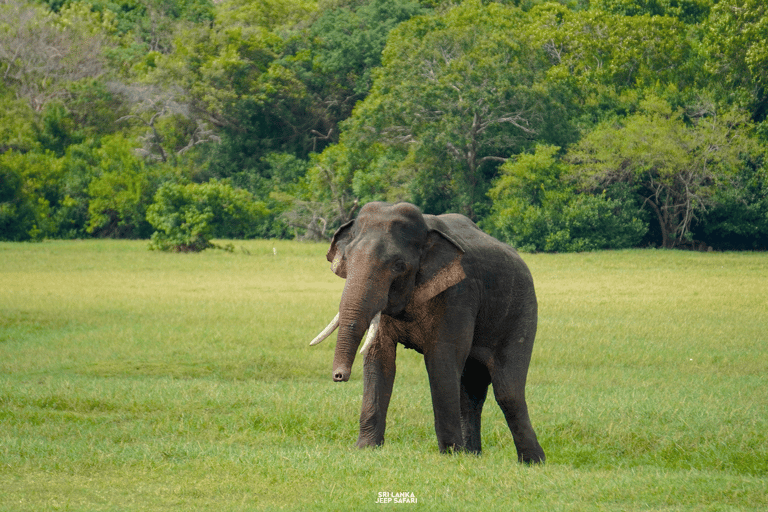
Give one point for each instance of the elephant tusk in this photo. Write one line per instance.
(372, 329)
(326, 332)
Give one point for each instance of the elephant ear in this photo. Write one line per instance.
(335, 254)
(440, 266)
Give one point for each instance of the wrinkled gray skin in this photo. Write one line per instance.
(446, 289)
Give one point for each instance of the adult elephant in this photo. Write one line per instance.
(439, 285)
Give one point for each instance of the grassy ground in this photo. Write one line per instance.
(138, 380)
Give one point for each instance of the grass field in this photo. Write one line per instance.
(137, 380)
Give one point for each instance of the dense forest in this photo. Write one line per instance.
(556, 126)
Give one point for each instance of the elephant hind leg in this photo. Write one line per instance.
(474, 389)
(511, 398)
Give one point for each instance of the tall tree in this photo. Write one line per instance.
(688, 11)
(674, 165)
(41, 53)
(345, 47)
(736, 40)
(456, 93)
(607, 60)
(229, 81)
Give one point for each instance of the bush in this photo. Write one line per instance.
(29, 195)
(187, 217)
(739, 219)
(569, 223)
(120, 190)
(537, 209)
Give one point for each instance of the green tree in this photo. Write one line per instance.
(243, 101)
(30, 191)
(350, 41)
(120, 191)
(80, 167)
(739, 218)
(456, 91)
(58, 129)
(608, 62)
(736, 43)
(674, 165)
(688, 11)
(141, 25)
(18, 123)
(326, 198)
(335, 56)
(272, 15)
(166, 128)
(536, 208)
(95, 105)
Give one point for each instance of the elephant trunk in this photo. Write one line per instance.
(358, 312)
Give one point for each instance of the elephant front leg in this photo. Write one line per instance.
(444, 378)
(378, 379)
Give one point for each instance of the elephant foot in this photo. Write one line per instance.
(455, 448)
(368, 443)
(450, 450)
(534, 457)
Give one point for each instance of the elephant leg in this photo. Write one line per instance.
(474, 388)
(444, 376)
(509, 390)
(378, 379)
(445, 362)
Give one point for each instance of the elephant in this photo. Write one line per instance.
(441, 286)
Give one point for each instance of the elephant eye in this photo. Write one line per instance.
(399, 267)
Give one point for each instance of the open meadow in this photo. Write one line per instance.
(136, 380)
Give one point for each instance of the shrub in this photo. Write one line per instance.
(120, 191)
(569, 223)
(187, 216)
(29, 193)
(536, 208)
(739, 218)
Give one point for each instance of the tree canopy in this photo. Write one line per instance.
(556, 125)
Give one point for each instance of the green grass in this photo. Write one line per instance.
(138, 380)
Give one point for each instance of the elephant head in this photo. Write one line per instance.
(392, 258)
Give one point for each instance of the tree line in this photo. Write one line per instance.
(556, 126)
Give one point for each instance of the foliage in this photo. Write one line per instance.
(676, 166)
(18, 123)
(456, 89)
(281, 184)
(242, 100)
(352, 38)
(28, 195)
(739, 218)
(317, 106)
(273, 15)
(736, 40)
(120, 191)
(187, 217)
(536, 209)
(169, 129)
(148, 25)
(689, 11)
(609, 62)
(335, 58)
(41, 53)
(325, 200)
(58, 129)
